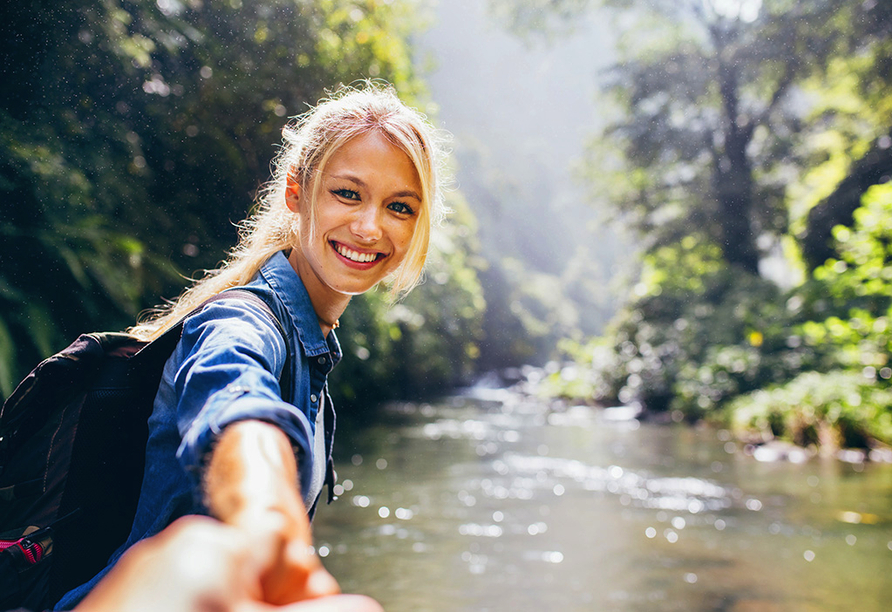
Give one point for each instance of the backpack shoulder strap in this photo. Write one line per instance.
(249, 296)
(171, 337)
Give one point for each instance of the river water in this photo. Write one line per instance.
(491, 503)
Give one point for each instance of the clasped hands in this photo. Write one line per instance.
(255, 556)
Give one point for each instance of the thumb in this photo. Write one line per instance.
(319, 583)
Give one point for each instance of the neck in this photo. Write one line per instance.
(328, 305)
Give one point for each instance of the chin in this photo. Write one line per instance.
(353, 290)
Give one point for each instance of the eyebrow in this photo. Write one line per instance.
(408, 193)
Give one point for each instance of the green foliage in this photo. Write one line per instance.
(583, 380)
(845, 144)
(849, 307)
(708, 342)
(851, 107)
(855, 291)
(836, 409)
(134, 135)
(690, 350)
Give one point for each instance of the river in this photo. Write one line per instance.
(492, 503)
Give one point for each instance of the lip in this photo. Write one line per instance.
(358, 265)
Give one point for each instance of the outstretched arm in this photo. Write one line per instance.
(251, 483)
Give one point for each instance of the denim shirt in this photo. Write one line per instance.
(226, 368)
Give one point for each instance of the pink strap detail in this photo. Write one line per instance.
(33, 552)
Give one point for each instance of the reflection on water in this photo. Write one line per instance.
(492, 504)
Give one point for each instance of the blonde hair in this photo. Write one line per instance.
(309, 141)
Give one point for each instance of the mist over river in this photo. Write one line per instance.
(491, 502)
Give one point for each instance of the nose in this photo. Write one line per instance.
(366, 225)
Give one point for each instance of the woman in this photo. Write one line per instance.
(354, 193)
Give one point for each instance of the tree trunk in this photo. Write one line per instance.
(734, 191)
(733, 181)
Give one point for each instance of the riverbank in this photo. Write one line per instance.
(812, 417)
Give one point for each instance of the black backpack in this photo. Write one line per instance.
(72, 454)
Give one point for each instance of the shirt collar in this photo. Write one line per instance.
(286, 282)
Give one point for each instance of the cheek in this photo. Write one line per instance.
(326, 220)
(403, 235)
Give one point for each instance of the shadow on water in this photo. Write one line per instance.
(492, 504)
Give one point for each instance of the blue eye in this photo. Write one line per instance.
(401, 208)
(347, 194)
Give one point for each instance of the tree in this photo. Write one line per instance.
(709, 121)
(706, 117)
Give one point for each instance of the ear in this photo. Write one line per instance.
(292, 194)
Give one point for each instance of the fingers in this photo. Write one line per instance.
(297, 574)
(291, 569)
(321, 584)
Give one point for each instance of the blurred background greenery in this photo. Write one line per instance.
(743, 148)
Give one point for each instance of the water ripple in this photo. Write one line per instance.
(688, 494)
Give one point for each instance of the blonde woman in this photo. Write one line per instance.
(355, 191)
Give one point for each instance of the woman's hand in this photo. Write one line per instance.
(251, 484)
(198, 564)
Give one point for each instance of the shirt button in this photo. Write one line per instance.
(322, 360)
(313, 398)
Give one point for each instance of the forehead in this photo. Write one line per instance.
(372, 156)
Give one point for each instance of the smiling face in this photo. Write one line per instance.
(368, 203)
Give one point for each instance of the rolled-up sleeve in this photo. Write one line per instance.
(232, 358)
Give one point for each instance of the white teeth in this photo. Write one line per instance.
(354, 256)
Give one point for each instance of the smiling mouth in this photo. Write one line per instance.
(352, 255)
